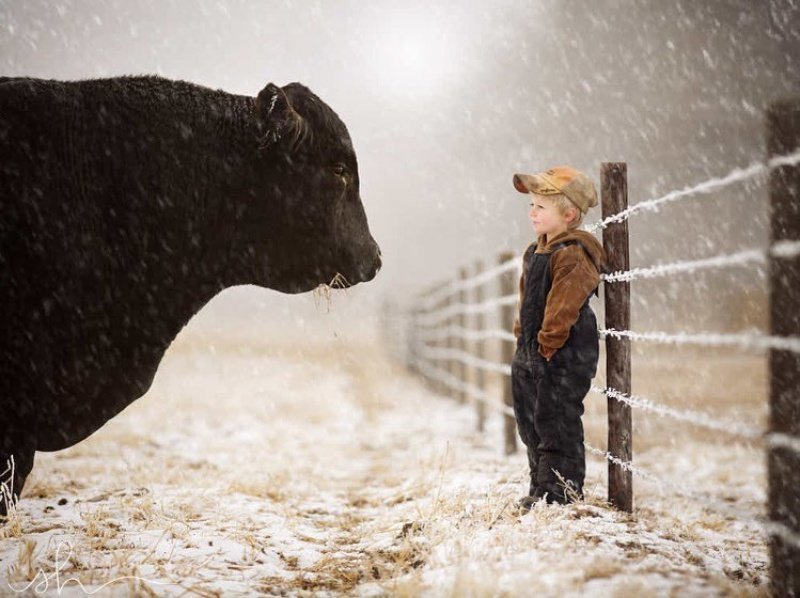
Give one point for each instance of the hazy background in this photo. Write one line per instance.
(446, 100)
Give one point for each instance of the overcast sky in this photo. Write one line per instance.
(446, 100)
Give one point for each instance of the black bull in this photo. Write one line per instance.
(125, 205)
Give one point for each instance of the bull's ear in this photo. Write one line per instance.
(274, 115)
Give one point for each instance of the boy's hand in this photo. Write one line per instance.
(547, 352)
(539, 366)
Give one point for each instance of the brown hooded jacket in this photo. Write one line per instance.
(575, 274)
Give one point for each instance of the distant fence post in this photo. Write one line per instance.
(412, 339)
(479, 349)
(614, 194)
(461, 341)
(507, 287)
(427, 344)
(783, 462)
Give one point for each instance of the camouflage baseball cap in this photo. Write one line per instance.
(577, 187)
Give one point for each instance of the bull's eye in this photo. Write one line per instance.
(339, 169)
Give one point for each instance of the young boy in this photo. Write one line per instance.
(556, 330)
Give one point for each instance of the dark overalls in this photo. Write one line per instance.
(548, 396)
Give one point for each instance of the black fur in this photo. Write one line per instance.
(125, 205)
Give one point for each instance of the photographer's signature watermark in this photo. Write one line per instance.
(41, 582)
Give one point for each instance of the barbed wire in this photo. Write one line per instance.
(786, 249)
(711, 339)
(470, 283)
(687, 267)
(788, 535)
(781, 440)
(466, 333)
(663, 485)
(694, 417)
(768, 527)
(781, 249)
(465, 308)
(708, 186)
(466, 358)
(453, 382)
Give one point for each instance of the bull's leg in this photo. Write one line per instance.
(17, 450)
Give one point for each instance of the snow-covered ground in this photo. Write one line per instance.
(326, 468)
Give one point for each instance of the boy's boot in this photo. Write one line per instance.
(526, 502)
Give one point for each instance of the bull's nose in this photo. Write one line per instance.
(371, 271)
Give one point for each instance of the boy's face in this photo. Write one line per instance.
(546, 217)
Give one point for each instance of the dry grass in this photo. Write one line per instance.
(255, 467)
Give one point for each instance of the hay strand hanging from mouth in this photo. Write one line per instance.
(322, 294)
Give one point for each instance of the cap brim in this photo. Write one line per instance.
(522, 183)
(531, 183)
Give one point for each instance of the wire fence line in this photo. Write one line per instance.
(661, 483)
(785, 441)
(664, 485)
(440, 352)
(697, 418)
(464, 285)
(767, 527)
(781, 250)
(737, 175)
(472, 391)
(745, 340)
(742, 258)
(467, 359)
(466, 308)
(466, 333)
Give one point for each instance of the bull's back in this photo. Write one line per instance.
(81, 289)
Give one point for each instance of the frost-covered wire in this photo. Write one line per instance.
(780, 440)
(453, 382)
(709, 186)
(711, 339)
(466, 333)
(466, 358)
(465, 308)
(788, 535)
(470, 283)
(786, 249)
(626, 465)
(687, 267)
(781, 249)
(694, 417)
(664, 485)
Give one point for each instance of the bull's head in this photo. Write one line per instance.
(314, 229)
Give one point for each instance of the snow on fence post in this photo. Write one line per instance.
(614, 194)
(783, 463)
(507, 286)
(479, 349)
(461, 341)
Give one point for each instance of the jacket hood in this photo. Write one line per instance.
(589, 242)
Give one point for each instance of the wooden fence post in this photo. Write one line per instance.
(460, 340)
(419, 335)
(449, 363)
(411, 339)
(479, 350)
(783, 462)
(614, 193)
(435, 384)
(508, 285)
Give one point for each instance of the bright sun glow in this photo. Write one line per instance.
(412, 57)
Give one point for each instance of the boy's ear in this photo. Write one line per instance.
(572, 214)
(274, 115)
